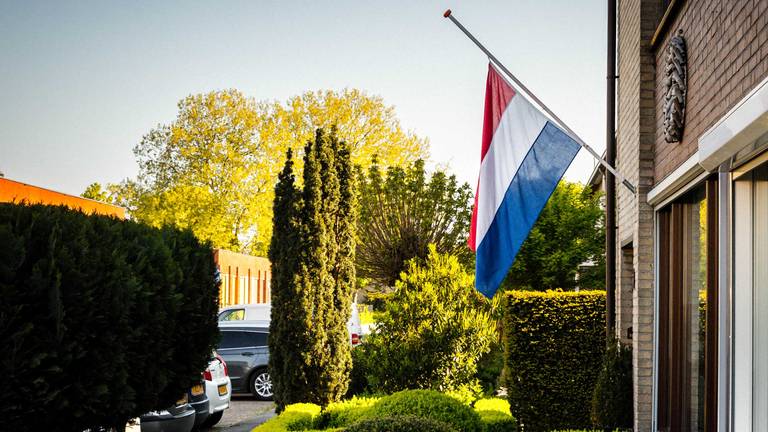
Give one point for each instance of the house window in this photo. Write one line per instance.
(687, 371)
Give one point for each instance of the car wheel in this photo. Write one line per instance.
(261, 385)
(213, 419)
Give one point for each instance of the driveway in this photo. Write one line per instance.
(244, 414)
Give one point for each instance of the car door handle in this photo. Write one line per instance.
(247, 354)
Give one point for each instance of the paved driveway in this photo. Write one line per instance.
(244, 414)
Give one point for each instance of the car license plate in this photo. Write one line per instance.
(222, 390)
(197, 390)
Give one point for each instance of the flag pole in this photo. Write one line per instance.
(554, 117)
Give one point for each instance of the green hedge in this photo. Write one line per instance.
(429, 404)
(400, 424)
(488, 415)
(101, 319)
(554, 346)
(495, 415)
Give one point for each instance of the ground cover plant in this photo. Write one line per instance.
(65, 279)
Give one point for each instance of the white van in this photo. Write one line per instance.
(262, 312)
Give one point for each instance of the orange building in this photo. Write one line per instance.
(244, 278)
(17, 192)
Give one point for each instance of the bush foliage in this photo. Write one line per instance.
(495, 415)
(400, 424)
(432, 408)
(612, 399)
(428, 404)
(554, 343)
(434, 331)
(101, 319)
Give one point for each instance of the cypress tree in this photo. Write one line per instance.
(312, 255)
(286, 333)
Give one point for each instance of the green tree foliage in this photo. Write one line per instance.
(96, 192)
(568, 233)
(312, 289)
(554, 346)
(434, 332)
(101, 319)
(403, 212)
(213, 169)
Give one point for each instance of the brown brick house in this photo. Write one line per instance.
(692, 246)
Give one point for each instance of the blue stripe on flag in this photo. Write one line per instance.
(528, 193)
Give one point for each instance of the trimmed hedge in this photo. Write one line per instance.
(344, 413)
(428, 404)
(554, 346)
(101, 320)
(495, 415)
(400, 424)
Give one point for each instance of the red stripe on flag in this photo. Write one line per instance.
(497, 96)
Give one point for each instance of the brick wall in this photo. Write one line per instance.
(636, 124)
(727, 56)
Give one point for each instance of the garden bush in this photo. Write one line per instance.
(554, 346)
(400, 424)
(344, 413)
(428, 404)
(434, 331)
(101, 319)
(495, 415)
(295, 417)
(612, 398)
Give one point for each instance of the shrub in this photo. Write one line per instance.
(612, 398)
(294, 417)
(435, 329)
(400, 424)
(555, 342)
(102, 319)
(358, 377)
(344, 413)
(495, 415)
(428, 404)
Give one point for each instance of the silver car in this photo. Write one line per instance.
(245, 350)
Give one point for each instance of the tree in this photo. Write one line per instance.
(404, 212)
(213, 169)
(96, 192)
(312, 288)
(568, 233)
(436, 328)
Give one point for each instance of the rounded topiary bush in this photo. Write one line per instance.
(400, 424)
(428, 404)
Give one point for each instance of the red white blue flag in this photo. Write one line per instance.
(523, 157)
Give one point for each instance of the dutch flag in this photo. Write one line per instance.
(523, 157)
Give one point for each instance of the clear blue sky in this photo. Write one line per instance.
(82, 81)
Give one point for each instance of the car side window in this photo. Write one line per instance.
(232, 315)
(259, 339)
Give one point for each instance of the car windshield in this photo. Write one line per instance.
(232, 315)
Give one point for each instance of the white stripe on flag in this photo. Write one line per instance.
(518, 128)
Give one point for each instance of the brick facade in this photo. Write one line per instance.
(727, 45)
(635, 131)
(727, 56)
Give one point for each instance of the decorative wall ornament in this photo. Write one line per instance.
(675, 88)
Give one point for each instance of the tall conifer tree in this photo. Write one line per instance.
(287, 335)
(312, 282)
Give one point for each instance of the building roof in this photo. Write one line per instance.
(17, 192)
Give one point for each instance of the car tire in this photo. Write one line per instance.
(212, 419)
(261, 385)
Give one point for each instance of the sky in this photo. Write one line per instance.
(82, 81)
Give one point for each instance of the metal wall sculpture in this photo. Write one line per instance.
(675, 88)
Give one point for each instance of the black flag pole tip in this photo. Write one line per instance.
(447, 13)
